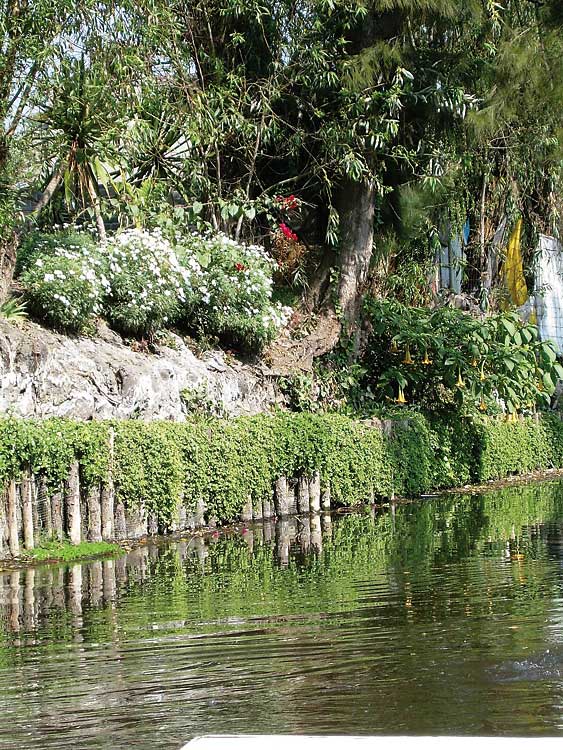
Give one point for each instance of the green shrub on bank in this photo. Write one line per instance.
(223, 463)
(447, 360)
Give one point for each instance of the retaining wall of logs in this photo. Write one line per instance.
(30, 513)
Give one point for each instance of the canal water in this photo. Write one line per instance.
(443, 616)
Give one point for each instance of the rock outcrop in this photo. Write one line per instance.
(45, 374)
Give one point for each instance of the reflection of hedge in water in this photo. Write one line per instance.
(241, 576)
(115, 480)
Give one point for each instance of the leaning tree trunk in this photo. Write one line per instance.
(356, 208)
(8, 237)
(8, 248)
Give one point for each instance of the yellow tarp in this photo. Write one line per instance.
(513, 270)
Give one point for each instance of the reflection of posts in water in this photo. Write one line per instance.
(14, 601)
(269, 527)
(29, 619)
(96, 583)
(75, 591)
(59, 587)
(248, 537)
(283, 541)
(201, 550)
(326, 525)
(109, 586)
(316, 533)
(304, 534)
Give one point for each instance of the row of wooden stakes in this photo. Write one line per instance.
(30, 513)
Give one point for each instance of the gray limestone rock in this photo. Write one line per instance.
(45, 374)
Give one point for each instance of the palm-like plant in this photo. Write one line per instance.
(75, 129)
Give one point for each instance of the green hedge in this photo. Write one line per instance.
(223, 462)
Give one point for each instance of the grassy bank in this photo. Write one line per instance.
(224, 462)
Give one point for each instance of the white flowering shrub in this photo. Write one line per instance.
(141, 281)
(66, 286)
(234, 291)
(149, 286)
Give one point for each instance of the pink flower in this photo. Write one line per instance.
(290, 234)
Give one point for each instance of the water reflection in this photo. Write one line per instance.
(439, 617)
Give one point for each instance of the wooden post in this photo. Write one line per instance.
(267, 507)
(302, 495)
(27, 510)
(281, 493)
(107, 498)
(72, 503)
(200, 512)
(94, 507)
(12, 519)
(257, 509)
(315, 493)
(182, 516)
(57, 515)
(246, 514)
(152, 524)
(120, 524)
(44, 503)
(325, 498)
(2, 522)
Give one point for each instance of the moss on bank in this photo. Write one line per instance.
(224, 462)
(67, 552)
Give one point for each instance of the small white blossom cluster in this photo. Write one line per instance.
(65, 280)
(234, 289)
(149, 285)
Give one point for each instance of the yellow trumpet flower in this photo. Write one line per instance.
(394, 348)
(407, 359)
(483, 405)
(460, 383)
(401, 397)
(426, 360)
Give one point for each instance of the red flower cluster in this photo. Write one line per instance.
(240, 267)
(289, 233)
(289, 203)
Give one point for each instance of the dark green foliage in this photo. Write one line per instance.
(447, 360)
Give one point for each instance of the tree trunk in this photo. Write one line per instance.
(356, 208)
(8, 248)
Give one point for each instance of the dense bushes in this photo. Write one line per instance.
(65, 278)
(225, 462)
(142, 281)
(448, 360)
